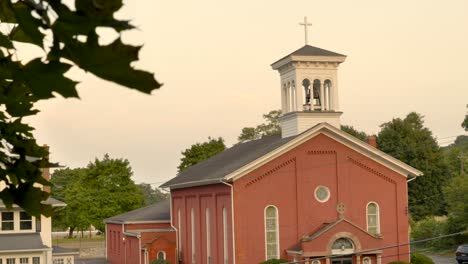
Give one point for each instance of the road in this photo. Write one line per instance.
(443, 259)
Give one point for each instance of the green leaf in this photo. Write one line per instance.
(45, 78)
(27, 29)
(71, 23)
(103, 62)
(98, 8)
(7, 15)
(5, 42)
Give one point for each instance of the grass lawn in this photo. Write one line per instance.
(61, 241)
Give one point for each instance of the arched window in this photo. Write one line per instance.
(225, 236)
(271, 232)
(161, 255)
(373, 218)
(192, 221)
(208, 234)
(342, 246)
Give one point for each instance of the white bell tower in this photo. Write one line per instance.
(309, 88)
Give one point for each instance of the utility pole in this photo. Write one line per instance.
(462, 159)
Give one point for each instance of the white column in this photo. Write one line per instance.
(327, 98)
(322, 105)
(284, 101)
(358, 259)
(327, 261)
(379, 258)
(293, 98)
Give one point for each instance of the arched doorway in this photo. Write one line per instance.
(342, 248)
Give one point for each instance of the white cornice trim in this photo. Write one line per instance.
(338, 135)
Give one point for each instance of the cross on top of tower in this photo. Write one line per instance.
(306, 24)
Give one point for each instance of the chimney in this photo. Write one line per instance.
(372, 140)
(46, 172)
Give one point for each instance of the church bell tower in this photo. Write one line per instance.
(309, 88)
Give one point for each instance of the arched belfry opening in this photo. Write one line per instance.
(309, 91)
(317, 94)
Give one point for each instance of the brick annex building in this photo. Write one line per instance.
(312, 193)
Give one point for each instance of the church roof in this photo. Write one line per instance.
(157, 212)
(214, 169)
(240, 159)
(312, 51)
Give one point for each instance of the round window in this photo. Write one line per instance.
(322, 194)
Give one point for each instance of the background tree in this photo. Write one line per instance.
(354, 132)
(200, 151)
(101, 190)
(270, 127)
(151, 195)
(409, 141)
(110, 190)
(67, 188)
(67, 38)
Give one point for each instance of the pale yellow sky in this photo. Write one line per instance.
(214, 58)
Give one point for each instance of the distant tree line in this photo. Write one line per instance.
(102, 189)
(438, 192)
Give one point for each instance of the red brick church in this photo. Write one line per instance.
(313, 193)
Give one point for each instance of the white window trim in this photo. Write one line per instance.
(192, 222)
(367, 258)
(328, 194)
(277, 231)
(164, 254)
(208, 234)
(179, 231)
(377, 218)
(225, 237)
(16, 224)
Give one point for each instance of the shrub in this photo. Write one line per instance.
(160, 261)
(274, 261)
(417, 258)
(398, 262)
(429, 227)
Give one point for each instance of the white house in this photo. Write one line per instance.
(25, 239)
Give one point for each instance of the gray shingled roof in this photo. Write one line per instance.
(52, 201)
(157, 212)
(21, 242)
(212, 170)
(60, 251)
(308, 50)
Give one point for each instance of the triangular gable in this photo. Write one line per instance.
(331, 226)
(337, 135)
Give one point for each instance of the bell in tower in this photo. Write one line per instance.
(316, 70)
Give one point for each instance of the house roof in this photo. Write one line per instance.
(60, 251)
(214, 169)
(158, 212)
(52, 201)
(241, 159)
(21, 242)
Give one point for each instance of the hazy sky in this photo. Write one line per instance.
(214, 60)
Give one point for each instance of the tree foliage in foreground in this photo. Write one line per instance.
(200, 151)
(270, 127)
(67, 38)
(409, 141)
(101, 190)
